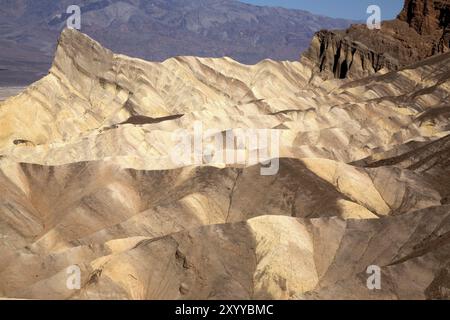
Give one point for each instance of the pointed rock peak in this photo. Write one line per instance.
(72, 38)
(77, 50)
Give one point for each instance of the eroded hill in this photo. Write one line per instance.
(88, 178)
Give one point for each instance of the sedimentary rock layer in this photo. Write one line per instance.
(88, 179)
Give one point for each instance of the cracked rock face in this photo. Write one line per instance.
(86, 179)
(426, 17)
(420, 31)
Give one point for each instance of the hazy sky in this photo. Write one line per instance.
(350, 9)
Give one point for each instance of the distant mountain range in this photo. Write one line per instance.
(154, 30)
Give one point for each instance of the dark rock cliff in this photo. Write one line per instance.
(421, 30)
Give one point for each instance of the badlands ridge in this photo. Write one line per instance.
(87, 179)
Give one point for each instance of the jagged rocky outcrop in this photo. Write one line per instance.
(431, 20)
(420, 31)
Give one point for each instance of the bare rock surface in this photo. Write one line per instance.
(87, 179)
(6, 92)
(420, 31)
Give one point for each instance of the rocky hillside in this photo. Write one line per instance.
(420, 31)
(154, 30)
(86, 179)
